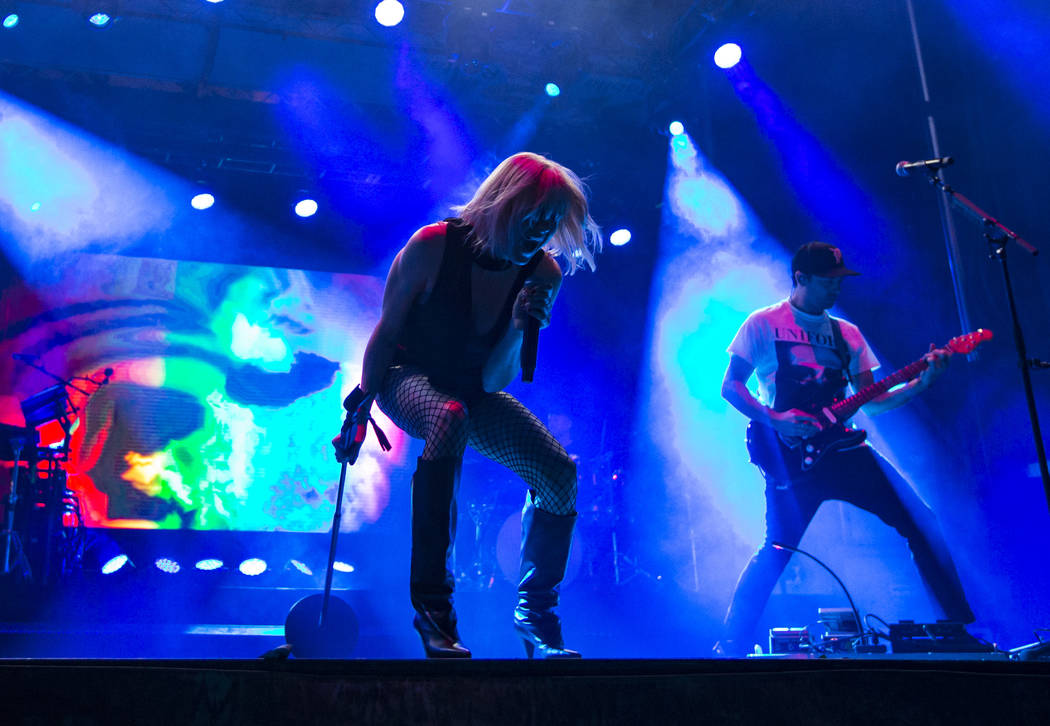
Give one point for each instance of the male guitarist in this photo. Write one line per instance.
(804, 358)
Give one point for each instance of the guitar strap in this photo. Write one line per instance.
(841, 348)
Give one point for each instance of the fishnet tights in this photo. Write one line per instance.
(496, 425)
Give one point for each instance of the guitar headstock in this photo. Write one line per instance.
(966, 343)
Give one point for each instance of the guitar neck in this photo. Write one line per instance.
(845, 408)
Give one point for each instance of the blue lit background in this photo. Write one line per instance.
(795, 142)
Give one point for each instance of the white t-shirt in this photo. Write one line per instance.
(795, 357)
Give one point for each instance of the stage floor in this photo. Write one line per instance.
(750, 691)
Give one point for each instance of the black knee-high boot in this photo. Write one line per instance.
(545, 541)
(431, 581)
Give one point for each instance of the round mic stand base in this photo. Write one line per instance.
(323, 626)
(308, 637)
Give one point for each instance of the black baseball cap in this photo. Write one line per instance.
(821, 259)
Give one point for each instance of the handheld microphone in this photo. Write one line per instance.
(905, 168)
(25, 357)
(106, 375)
(529, 344)
(355, 427)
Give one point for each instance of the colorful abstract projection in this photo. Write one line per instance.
(227, 388)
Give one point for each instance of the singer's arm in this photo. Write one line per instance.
(411, 273)
(536, 300)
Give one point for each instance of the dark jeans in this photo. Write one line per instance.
(863, 478)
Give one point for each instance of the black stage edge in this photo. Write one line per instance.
(507, 692)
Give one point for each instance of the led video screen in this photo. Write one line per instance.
(226, 388)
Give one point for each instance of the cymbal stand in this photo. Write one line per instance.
(10, 535)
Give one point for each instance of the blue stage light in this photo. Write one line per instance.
(301, 567)
(389, 13)
(339, 566)
(552, 89)
(211, 563)
(166, 564)
(10, 21)
(252, 566)
(728, 55)
(202, 201)
(620, 237)
(100, 20)
(34, 207)
(676, 128)
(113, 564)
(306, 208)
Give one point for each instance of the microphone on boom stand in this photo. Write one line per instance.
(905, 168)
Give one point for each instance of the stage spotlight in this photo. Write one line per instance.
(209, 564)
(727, 55)
(10, 21)
(552, 89)
(202, 201)
(306, 207)
(301, 567)
(389, 13)
(114, 564)
(620, 237)
(167, 565)
(34, 207)
(340, 566)
(102, 554)
(252, 566)
(676, 128)
(100, 13)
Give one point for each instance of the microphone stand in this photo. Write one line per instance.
(63, 381)
(10, 536)
(998, 235)
(322, 625)
(864, 646)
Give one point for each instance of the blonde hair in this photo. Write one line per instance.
(525, 183)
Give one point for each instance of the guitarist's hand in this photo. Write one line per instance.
(795, 423)
(937, 362)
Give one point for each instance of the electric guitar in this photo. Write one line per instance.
(785, 457)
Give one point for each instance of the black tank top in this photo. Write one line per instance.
(439, 335)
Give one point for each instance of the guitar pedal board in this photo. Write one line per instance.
(944, 636)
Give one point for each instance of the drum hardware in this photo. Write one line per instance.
(14, 440)
(50, 546)
(481, 572)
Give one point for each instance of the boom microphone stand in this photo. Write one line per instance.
(998, 236)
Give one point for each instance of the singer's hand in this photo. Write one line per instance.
(533, 301)
(357, 406)
(341, 453)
